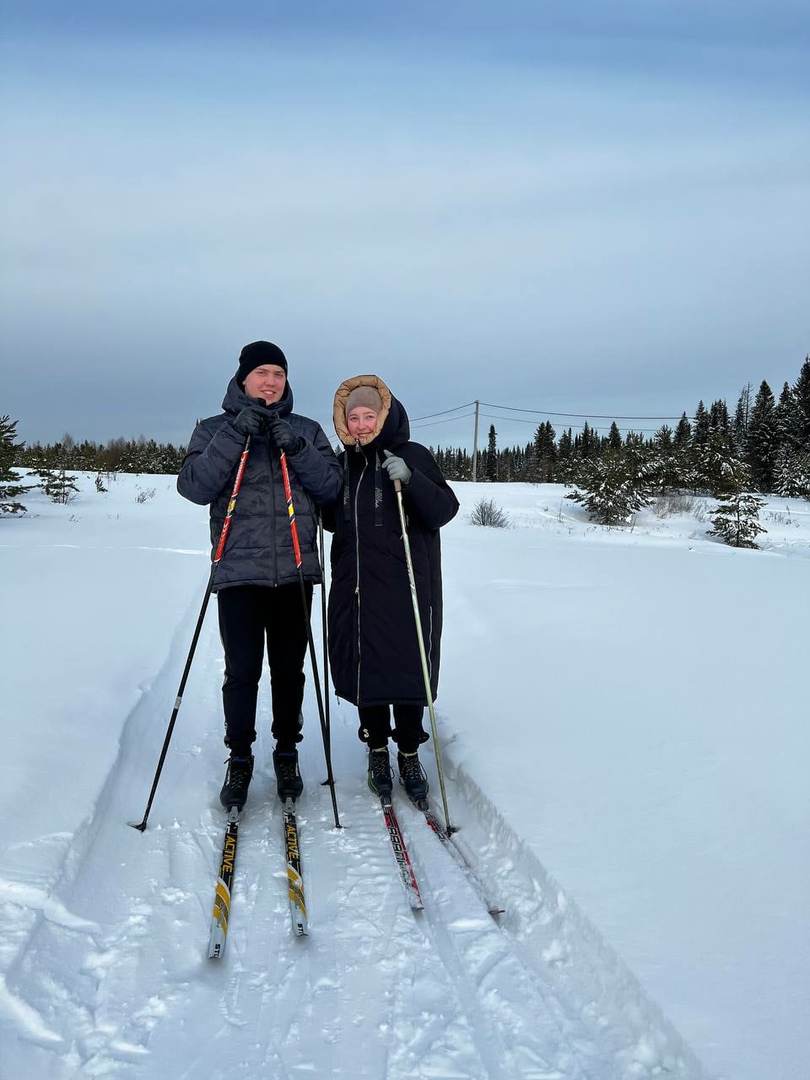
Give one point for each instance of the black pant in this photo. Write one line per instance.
(249, 615)
(375, 726)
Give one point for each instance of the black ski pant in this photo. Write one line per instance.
(252, 617)
(375, 726)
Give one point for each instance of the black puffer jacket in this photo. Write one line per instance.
(373, 645)
(259, 550)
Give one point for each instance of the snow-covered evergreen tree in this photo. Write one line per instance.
(763, 439)
(792, 473)
(801, 391)
(57, 484)
(700, 430)
(614, 486)
(491, 463)
(588, 442)
(10, 486)
(544, 454)
(683, 433)
(668, 461)
(717, 465)
(564, 470)
(719, 421)
(736, 519)
(50, 464)
(789, 420)
(742, 416)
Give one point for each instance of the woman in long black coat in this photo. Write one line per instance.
(373, 644)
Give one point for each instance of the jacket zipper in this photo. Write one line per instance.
(273, 492)
(357, 566)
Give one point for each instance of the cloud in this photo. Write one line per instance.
(576, 236)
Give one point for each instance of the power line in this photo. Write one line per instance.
(469, 405)
(536, 412)
(450, 420)
(419, 424)
(576, 416)
(516, 420)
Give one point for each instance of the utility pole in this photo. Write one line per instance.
(475, 445)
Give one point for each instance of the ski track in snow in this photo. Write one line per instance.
(105, 965)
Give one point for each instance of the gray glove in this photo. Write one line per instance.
(250, 421)
(396, 468)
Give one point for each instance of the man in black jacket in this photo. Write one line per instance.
(257, 585)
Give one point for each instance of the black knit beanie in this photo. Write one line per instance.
(256, 354)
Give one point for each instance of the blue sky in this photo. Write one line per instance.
(596, 208)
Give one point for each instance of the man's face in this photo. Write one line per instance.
(266, 382)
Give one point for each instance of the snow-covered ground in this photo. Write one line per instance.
(623, 716)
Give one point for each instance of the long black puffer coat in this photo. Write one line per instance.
(259, 550)
(373, 644)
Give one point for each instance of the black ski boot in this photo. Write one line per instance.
(237, 781)
(288, 779)
(412, 776)
(379, 772)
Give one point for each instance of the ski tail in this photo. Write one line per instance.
(463, 861)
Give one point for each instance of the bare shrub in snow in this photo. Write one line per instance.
(485, 512)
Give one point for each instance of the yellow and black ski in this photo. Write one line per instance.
(295, 880)
(222, 894)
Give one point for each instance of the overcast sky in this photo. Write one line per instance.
(596, 208)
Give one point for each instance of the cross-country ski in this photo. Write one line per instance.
(222, 892)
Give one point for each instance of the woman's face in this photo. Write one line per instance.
(361, 421)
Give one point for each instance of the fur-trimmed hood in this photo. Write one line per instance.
(392, 427)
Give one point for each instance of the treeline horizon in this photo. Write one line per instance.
(768, 437)
(765, 441)
(139, 455)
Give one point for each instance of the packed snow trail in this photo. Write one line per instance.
(112, 979)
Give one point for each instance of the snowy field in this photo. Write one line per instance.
(623, 716)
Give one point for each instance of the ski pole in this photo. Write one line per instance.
(324, 632)
(423, 656)
(330, 780)
(223, 536)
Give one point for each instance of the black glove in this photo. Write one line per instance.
(250, 421)
(283, 437)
